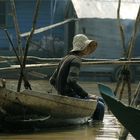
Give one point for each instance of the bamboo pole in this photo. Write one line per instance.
(112, 63)
(43, 29)
(19, 42)
(126, 78)
(123, 45)
(28, 43)
(133, 38)
(58, 59)
(127, 54)
(14, 49)
(52, 65)
(121, 28)
(17, 57)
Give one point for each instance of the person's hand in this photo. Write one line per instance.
(94, 97)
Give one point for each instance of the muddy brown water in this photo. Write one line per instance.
(109, 129)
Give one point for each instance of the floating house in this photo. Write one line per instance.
(98, 20)
(50, 12)
(95, 18)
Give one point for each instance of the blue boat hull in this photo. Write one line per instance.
(128, 116)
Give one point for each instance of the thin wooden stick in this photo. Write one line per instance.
(123, 45)
(58, 59)
(11, 43)
(127, 55)
(125, 132)
(52, 65)
(121, 28)
(28, 43)
(136, 94)
(122, 89)
(133, 38)
(43, 29)
(19, 42)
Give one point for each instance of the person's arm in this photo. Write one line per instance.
(73, 78)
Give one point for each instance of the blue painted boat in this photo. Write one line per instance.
(128, 116)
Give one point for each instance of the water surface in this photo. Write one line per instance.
(109, 129)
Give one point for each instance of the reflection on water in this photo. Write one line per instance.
(109, 129)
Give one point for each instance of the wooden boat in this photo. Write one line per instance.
(45, 104)
(127, 115)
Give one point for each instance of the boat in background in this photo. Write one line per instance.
(128, 116)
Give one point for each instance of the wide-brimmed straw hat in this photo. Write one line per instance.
(80, 42)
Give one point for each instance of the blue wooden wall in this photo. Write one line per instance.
(51, 11)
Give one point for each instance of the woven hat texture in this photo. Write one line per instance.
(80, 42)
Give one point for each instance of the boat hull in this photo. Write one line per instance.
(128, 116)
(56, 106)
(15, 124)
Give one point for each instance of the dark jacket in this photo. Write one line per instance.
(65, 77)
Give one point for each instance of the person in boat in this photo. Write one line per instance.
(65, 77)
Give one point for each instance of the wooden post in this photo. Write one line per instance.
(123, 45)
(19, 42)
(126, 75)
(121, 28)
(28, 43)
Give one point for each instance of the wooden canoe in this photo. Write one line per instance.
(128, 116)
(45, 104)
